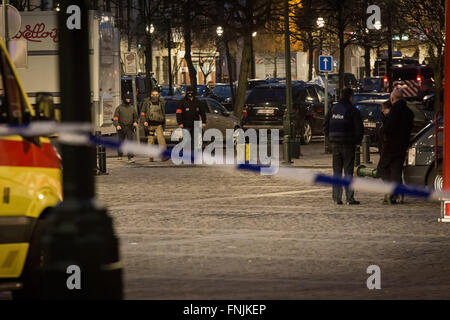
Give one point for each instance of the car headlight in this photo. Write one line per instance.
(412, 156)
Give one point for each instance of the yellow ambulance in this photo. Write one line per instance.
(30, 184)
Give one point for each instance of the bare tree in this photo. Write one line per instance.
(427, 19)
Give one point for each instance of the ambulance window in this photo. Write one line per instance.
(14, 102)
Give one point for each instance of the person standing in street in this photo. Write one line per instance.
(125, 121)
(397, 129)
(344, 128)
(190, 110)
(154, 117)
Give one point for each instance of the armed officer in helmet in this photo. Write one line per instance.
(344, 128)
(125, 120)
(154, 117)
(191, 109)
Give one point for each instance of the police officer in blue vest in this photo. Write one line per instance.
(344, 128)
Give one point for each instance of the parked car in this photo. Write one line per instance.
(221, 92)
(373, 84)
(349, 81)
(370, 96)
(252, 83)
(201, 89)
(217, 116)
(265, 106)
(141, 90)
(177, 91)
(420, 166)
(372, 118)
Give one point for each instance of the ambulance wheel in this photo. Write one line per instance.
(32, 273)
(435, 179)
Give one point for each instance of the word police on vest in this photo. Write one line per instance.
(338, 116)
(232, 309)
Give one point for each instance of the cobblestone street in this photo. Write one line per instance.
(205, 233)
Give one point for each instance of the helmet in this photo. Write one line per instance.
(127, 95)
(190, 89)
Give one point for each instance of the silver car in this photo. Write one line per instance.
(217, 116)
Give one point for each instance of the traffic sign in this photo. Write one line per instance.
(325, 63)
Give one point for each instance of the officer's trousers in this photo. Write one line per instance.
(126, 133)
(343, 160)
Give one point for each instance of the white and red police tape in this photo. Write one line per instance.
(80, 134)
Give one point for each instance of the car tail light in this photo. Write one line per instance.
(419, 78)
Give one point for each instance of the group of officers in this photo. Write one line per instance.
(344, 128)
(150, 118)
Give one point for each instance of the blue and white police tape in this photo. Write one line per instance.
(79, 134)
(125, 146)
(355, 183)
(43, 128)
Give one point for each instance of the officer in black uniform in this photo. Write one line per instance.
(125, 120)
(191, 109)
(344, 128)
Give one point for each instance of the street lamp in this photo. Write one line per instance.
(219, 31)
(320, 22)
(254, 34)
(150, 29)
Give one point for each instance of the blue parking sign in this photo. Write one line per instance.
(325, 63)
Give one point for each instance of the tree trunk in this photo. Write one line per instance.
(438, 64)
(341, 61)
(367, 61)
(188, 58)
(128, 24)
(243, 76)
(230, 73)
(310, 56)
(275, 68)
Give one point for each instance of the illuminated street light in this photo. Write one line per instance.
(254, 34)
(320, 22)
(57, 7)
(150, 29)
(377, 25)
(219, 31)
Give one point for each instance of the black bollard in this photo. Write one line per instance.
(366, 149)
(357, 156)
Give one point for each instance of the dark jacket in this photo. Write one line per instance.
(125, 115)
(190, 111)
(343, 124)
(397, 128)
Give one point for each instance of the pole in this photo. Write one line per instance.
(252, 55)
(169, 58)
(287, 113)
(389, 60)
(326, 139)
(133, 85)
(79, 232)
